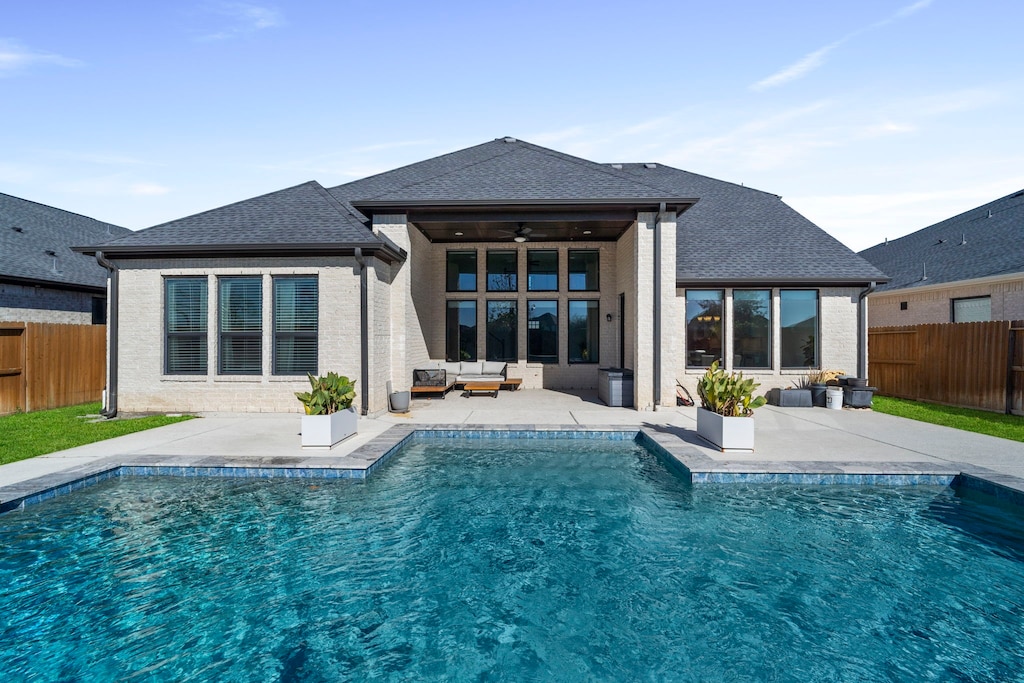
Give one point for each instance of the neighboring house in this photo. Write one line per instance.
(504, 251)
(41, 278)
(964, 269)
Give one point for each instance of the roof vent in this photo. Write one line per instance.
(963, 238)
(50, 252)
(941, 241)
(989, 214)
(924, 272)
(650, 166)
(508, 139)
(15, 228)
(886, 242)
(617, 167)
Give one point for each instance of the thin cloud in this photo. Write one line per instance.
(14, 58)
(814, 60)
(244, 19)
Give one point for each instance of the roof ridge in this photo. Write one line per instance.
(341, 207)
(71, 213)
(701, 175)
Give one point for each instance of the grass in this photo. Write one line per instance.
(980, 421)
(25, 435)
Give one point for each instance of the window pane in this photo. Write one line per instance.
(798, 312)
(704, 313)
(503, 331)
(542, 270)
(296, 315)
(973, 310)
(583, 269)
(542, 332)
(502, 271)
(751, 328)
(186, 309)
(461, 271)
(461, 331)
(584, 331)
(241, 325)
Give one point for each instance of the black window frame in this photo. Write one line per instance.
(515, 273)
(691, 353)
(201, 336)
(512, 357)
(448, 270)
(530, 253)
(278, 335)
(953, 302)
(546, 359)
(476, 331)
(223, 336)
(736, 338)
(99, 310)
(597, 270)
(593, 344)
(816, 335)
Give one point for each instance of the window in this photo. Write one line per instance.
(185, 302)
(503, 331)
(241, 326)
(752, 328)
(542, 270)
(903, 305)
(583, 267)
(973, 310)
(460, 331)
(296, 314)
(99, 310)
(704, 312)
(542, 332)
(461, 271)
(584, 331)
(798, 311)
(502, 271)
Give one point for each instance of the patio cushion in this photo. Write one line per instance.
(493, 367)
(475, 367)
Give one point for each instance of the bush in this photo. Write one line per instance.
(728, 394)
(328, 394)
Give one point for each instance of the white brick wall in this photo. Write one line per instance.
(933, 305)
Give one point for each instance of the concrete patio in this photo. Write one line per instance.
(788, 440)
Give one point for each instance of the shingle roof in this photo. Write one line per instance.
(306, 214)
(982, 242)
(28, 230)
(739, 234)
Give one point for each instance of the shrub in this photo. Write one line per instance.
(728, 394)
(328, 394)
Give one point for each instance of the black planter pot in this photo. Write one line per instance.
(818, 395)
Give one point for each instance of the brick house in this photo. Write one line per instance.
(504, 251)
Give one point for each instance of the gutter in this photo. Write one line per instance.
(110, 409)
(364, 333)
(862, 330)
(657, 306)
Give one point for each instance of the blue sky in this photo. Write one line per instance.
(873, 118)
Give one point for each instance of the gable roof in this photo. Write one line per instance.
(739, 235)
(301, 219)
(983, 242)
(28, 230)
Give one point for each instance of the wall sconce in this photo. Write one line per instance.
(608, 317)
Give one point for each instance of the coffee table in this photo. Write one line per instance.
(482, 388)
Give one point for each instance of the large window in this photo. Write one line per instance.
(542, 332)
(798, 313)
(584, 331)
(542, 270)
(185, 302)
(583, 269)
(296, 312)
(460, 331)
(752, 328)
(973, 310)
(241, 326)
(503, 331)
(502, 271)
(461, 271)
(704, 324)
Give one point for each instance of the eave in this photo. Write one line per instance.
(385, 252)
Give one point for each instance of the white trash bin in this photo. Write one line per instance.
(834, 398)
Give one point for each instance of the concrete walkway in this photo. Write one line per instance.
(793, 440)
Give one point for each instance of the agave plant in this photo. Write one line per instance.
(328, 394)
(728, 394)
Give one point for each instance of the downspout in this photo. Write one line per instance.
(110, 410)
(657, 306)
(364, 333)
(862, 330)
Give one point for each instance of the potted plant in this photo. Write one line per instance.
(818, 381)
(725, 417)
(329, 417)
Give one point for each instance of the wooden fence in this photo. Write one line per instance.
(44, 365)
(970, 365)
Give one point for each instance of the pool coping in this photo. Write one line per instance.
(361, 463)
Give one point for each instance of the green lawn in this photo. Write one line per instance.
(25, 435)
(980, 421)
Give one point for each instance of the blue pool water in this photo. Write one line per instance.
(492, 560)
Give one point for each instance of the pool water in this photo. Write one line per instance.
(516, 561)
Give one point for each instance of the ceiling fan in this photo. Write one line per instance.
(522, 233)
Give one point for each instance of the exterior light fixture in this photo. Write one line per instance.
(587, 232)
(608, 317)
(519, 238)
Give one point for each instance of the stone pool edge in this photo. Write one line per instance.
(365, 460)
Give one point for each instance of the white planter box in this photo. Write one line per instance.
(323, 431)
(727, 433)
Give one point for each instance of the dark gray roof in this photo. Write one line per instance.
(505, 170)
(304, 216)
(982, 242)
(28, 230)
(737, 234)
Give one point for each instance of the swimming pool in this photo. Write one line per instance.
(533, 560)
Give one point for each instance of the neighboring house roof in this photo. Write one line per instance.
(737, 234)
(982, 242)
(300, 219)
(28, 231)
